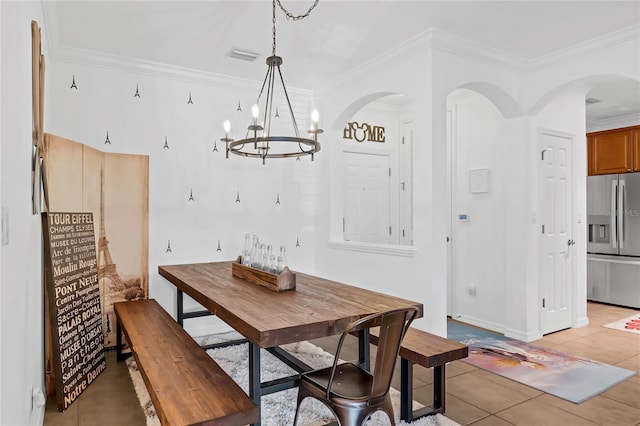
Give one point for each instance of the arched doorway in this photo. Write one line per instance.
(476, 117)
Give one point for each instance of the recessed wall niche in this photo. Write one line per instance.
(377, 148)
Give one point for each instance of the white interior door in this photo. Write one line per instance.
(406, 185)
(450, 167)
(366, 204)
(556, 246)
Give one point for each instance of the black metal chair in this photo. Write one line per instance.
(352, 393)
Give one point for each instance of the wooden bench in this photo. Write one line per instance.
(186, 385)
(430, 351)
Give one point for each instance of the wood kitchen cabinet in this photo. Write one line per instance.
(614, 151)
(636, 149)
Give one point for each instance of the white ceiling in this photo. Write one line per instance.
(338, 35)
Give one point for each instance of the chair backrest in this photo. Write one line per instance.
(393, 325)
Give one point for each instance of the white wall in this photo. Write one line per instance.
(21, 310)
(402, 272)
(478, 245)
(104, 101)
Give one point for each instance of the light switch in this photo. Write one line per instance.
(463, 217)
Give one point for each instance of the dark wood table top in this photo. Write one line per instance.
(316, 308)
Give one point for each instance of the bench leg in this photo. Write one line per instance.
(255, 387)
(438, 388)
(406, 392)
(119, 355)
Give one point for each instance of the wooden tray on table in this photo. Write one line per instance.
(284, 281)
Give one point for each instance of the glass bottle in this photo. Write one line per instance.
(283, 255)
(279, 266)
(256, 259)
(272, 264)
(246, 250)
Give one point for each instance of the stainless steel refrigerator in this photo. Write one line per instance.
(613, 239)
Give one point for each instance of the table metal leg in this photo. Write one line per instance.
(364, 349)
(255, 387)
(180, 308)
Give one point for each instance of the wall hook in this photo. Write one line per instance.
(190, 101)
(191, 196)
(137, 95)
(166, 144)
(277, 113)
(219, 248)
(239, 108)
(278, 199)
(237, 196)
(215, 146)
(168, 247)
(297, 242)
(107, 141)
(73, 83)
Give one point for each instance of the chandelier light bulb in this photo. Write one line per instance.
(255, 111)
(315, 116)
(227, 128)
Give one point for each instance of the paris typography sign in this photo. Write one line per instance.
(364, 132)
(75, 315)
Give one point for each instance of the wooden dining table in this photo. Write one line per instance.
(317, 307)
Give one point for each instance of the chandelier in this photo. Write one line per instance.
(258, 141)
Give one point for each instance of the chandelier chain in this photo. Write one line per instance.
(273, 20)
(298, 17)
(289, 16)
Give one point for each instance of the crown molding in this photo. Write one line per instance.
(410, 47)
(155, 69)
(431, 39)
(473, 50)
(434, 38)
(621, 36)
(63, 53)
(613, 122)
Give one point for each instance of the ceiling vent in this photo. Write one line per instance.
(244, 54)
(590, 101)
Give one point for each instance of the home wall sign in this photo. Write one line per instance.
(364, 131)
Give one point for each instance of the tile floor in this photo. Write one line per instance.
(474, 396)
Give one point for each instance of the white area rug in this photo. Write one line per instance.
(630, 324)
(277, 409)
